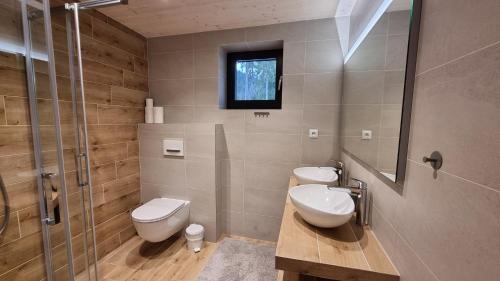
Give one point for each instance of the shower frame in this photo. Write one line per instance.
(44, 178)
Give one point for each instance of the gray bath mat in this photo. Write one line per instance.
(238, 260)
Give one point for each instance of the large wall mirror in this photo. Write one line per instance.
(377, 92)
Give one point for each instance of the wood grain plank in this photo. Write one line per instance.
(17, 111)
(102, 74)
(22, 195)
(12, 82)
(100, 52)
(22, 249)
(103, 173)
(85, 22)
(121, 186)
(17, 168)
(140, 66)
(12, 232)
(106, 134)
(119, 115)
(107, 247)
(3, 117)
(10, 60)
(127, 234)
(101, 154)
(133, 149)
(127, 167)
(47, 136)
(114, 207)
(116, 37)
(127, 97)
(94, 93)
(135, 81)
(114, 225)
(33, 270)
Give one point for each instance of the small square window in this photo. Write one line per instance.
(254, 80)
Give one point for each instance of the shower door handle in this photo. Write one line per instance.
(5, 222)
(51, 201)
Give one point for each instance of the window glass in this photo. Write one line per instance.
(256, 79)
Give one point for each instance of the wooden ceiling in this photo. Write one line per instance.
(153, 18)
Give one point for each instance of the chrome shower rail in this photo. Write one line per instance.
(5, 222)
(93, 4)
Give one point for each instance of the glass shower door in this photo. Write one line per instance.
(60, 154)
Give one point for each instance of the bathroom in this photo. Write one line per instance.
(363, 144)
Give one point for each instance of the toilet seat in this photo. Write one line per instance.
(157, 209)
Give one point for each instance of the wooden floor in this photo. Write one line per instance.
(139, 260)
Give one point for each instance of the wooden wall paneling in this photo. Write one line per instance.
(135, 81)
(121, 186)
(118, 115)
(133, 149)
(101, 154)
(117, 37)
(128, 97)
(114, 58)
(3, 117)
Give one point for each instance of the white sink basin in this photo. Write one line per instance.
(321, 206)
(321, 175)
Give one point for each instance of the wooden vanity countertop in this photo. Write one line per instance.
(348, 252)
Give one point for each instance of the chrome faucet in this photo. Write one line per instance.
(359, 192)
(340, 171)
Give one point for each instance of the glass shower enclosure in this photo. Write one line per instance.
(46, 149)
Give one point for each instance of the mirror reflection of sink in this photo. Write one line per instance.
(320, 175)
(322, 206)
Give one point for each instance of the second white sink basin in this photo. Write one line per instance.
(321, 206)
(321, 175)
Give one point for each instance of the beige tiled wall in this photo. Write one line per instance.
(192, 177)
(115, 71)
(372, 97)
(447, 228)
(259, 153)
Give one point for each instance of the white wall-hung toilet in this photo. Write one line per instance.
(160, 218)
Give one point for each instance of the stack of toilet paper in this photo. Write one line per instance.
(153, 114)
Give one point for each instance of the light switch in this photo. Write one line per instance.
(366, 134)
(313, 133)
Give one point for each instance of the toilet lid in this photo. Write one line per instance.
(157, 209)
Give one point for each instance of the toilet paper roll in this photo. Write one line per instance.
(149, 102)
(158, 114)
(148, 115)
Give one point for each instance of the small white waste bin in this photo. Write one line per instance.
(194, 236)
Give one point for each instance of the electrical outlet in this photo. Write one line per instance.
(313, 133)
(366, 134)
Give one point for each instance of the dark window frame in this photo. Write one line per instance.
(232, 58)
